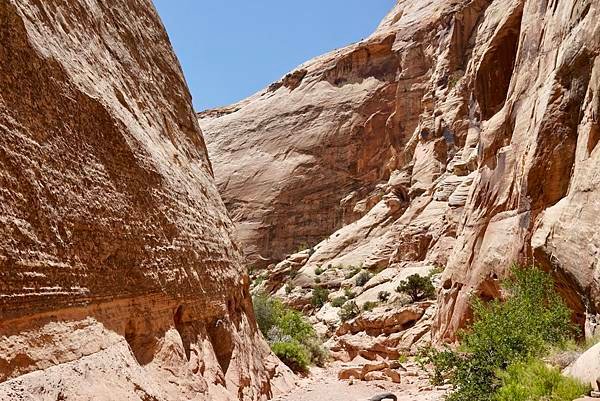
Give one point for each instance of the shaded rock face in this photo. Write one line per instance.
(118, 276)
(461, 134)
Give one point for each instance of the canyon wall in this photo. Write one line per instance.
(119, 278)
(462, 134)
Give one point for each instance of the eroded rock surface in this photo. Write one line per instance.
(118, 275)
(462, 134)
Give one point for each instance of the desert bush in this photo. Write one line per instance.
(319, 270)
(293, 354)
(294, 324)
(267, 312)
(320, 296)
(349, 311)
(290, 335)
(533, 380)
(349, 293)
(354, 270)
(289, 287)
(318, 354)
(338, 302)
(362, 278)
(531, 319)
(417, 287)
(369, 306)
(384, 296)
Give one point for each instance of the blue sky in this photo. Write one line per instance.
(231, 49)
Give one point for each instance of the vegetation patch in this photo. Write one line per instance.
(534, 380)
(293, 354)
(362, 278)
(369, 306)
(349, 311)
(338, 302)
(384, 296)
(354, 270)
(291, 337)
(320, 296)
(506, 336)
(417, 287)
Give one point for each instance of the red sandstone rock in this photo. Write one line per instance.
(460, 134)
(119, 278)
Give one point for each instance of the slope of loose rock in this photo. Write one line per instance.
(119, 278)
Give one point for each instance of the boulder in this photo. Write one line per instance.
(587, 368)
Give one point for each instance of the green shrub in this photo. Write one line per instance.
(318, 280)
(319, 270)
(528, 322)
(403, 358)
(442, 363)
(318, 354)
(293, 354)
(369, 306)
(535, 381)
(295, 325)
(288, 332)
(320, 296)
(349, 293)
(417, 287)
(267, 312)
(338, 302)
(289, 287)
(362, 278)
(353, 272)
(349, 311)
(384, 296)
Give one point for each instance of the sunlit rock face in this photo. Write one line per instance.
(119, 278)
(461, 134)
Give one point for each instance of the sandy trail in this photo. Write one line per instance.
(323, 385)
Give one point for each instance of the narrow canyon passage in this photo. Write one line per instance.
(413, 213)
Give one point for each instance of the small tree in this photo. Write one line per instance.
(320, 296)
(349, 311)
(417, 288)
(384, 296)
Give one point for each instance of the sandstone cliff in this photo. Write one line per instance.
(118, 276)
(462, 134)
